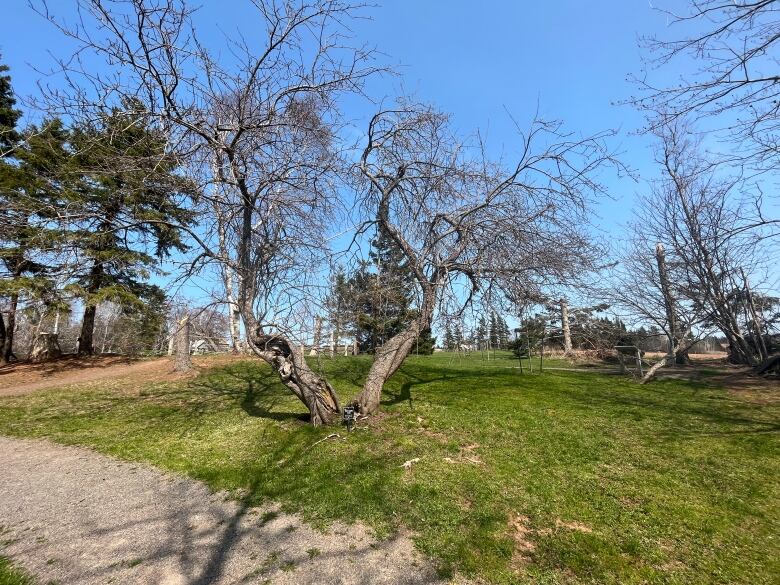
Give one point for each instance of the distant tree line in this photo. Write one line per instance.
(488, 333)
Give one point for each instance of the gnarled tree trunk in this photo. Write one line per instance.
(289, 362)
(391, 355)
(387, 360)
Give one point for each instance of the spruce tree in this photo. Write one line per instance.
(9, 117)
(379, 296)
(449, 338)
(30, 209)
(493, 333)
(130, 207)
(482, 333)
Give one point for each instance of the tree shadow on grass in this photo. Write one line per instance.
(254, 390)
(684, 409)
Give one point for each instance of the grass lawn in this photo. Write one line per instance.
(10, 575)
(560, 477)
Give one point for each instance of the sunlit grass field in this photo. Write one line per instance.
(554, 477)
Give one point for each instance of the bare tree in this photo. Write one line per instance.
(732, 73)
(259, 129)
(462, 220)
(708, 234)
(255, 126)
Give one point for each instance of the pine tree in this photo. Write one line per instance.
(9, 137)
(493, 332)
(130, 200)
(28, 212)
(449, 338)
(379, 295)
(482, 333)
(503, 333)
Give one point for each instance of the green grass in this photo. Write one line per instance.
(10, 575)
(560, 477)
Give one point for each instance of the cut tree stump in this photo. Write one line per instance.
(45, 347)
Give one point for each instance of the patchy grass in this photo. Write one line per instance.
(10, 575)
(545, 478)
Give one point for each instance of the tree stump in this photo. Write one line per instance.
(45, 347)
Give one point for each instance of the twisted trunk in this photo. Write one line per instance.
(290, 364)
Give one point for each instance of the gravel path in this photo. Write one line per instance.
(77, 517)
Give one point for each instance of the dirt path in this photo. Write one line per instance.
(74, 516)
(25, 378)
(19, 379)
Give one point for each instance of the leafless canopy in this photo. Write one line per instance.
(461, 218)
(733, 72)
(457, 214)
(713, 236)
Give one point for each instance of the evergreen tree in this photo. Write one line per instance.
(449, 338)
(129, 202)
(458, 336)
(29, 209)
(9, 117)
(425, 343)
(379, 296)
(482, 333)
(493, 332)
(503, 333)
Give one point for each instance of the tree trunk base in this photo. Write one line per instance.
(45, 347)
(289, 362)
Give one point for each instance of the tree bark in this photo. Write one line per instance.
(390, 355)
(567, 347)
(315, 347)
(183, 363)
(234, 314)
(2, 340)
(86, 343)
(172, 341)
(87, 331)
(680, 347)
(290, 364)
(8, 342)
(45, 347)
(387, 359)
(666, 291)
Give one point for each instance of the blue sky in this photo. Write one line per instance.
(477, 60)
